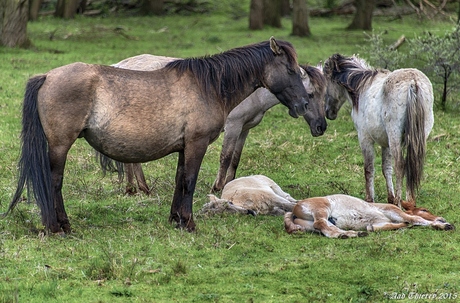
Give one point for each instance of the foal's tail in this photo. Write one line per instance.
(414, 138)
(34, 166)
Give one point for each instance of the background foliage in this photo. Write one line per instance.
(124, 250)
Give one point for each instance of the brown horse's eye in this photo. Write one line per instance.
(311, 96)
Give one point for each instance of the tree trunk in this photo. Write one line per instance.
(152, 7)
(272, 13)
(66, 8)
(363, 16)
(300, 19)
(285, 8)
(34, 8)
(13, 23)
(256, 15)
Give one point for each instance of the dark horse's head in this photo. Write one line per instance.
(283, 78)
(232, 74)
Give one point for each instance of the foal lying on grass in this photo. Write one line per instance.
(342, 216)
(335, 216)
(253, 195)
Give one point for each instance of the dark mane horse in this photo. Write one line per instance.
(247, 115)
(139, 116)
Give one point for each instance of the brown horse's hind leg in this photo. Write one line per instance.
(57, 163)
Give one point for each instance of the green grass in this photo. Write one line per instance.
(123, 249)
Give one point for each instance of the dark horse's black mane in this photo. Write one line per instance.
(221, 73)
(351, 72)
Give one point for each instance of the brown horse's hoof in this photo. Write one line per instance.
(182, 223)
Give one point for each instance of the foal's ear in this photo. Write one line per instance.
(274, 46)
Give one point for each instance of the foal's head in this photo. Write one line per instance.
(411, 209)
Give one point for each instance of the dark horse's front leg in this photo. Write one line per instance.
(188, 166)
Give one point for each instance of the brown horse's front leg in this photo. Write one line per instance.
(188, 165)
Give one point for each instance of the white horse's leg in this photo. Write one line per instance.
(387, 170)
(367, 149)
(396, 152)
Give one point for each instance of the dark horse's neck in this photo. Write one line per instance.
(230, 76)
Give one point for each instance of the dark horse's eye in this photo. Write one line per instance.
(310, 96)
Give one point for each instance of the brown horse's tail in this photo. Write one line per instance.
(34, 166)
(414, 138)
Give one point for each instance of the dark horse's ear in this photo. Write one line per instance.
(275, 47)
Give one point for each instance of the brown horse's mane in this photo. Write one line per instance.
(351, 72)
(220, 74)
(317, 78)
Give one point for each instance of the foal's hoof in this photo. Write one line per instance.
(343, 236)
(449, 227)
(362, 234)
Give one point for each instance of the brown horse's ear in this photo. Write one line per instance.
(274, 46)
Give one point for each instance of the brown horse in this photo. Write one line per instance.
(242, 118)
(139, 116)
(343, 216)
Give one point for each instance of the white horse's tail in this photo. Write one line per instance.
(414, 138)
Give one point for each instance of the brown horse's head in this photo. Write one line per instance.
(315, 84)
(283, 78)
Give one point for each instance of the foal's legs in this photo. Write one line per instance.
(387, 170)
(331, 231)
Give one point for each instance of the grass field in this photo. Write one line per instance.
(123, 249)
